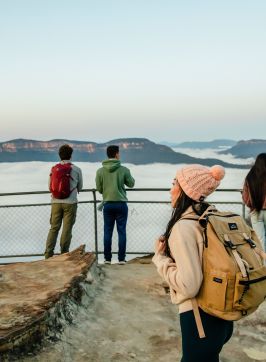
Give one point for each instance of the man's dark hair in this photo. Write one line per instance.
(65, 152)
(112, 151)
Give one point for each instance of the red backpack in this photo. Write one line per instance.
(60, 180)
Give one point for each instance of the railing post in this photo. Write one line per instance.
(95, 223)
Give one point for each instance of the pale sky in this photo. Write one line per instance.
(167, 70)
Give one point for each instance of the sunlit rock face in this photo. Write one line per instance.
(28, 292)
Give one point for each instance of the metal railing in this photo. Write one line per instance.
(25, 225)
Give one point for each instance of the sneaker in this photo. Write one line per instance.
(108, 262)
(122, 262)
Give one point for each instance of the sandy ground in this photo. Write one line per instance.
(127, 316)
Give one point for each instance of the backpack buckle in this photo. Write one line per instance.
(249, 241)
(228, 242)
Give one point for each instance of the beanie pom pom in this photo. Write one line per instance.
(217, 172)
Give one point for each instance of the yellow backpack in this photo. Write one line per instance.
(234, 274)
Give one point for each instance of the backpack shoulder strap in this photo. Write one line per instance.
(198, 318)
(194, 300)
(203, 219)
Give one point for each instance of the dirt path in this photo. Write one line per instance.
(129, 317)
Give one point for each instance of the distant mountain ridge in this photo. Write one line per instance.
(201, 145)
(247, 149)
(133, 150)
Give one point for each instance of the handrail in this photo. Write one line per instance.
(95, 190)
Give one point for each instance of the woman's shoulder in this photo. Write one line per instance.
(186, 232)
(188, 215)
(188, 224)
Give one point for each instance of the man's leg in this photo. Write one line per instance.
(55, 221)
(69, 218)
(121, 223)
(109, 222)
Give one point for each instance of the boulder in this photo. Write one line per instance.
(28, 291)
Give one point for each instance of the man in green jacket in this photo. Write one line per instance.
(111, 180)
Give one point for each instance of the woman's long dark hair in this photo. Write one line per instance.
(256, 180)
(183, 202)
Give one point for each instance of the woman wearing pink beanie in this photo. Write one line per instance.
(178, 258)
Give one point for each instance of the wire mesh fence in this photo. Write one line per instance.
(24, 227)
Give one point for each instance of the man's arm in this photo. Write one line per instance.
(99, 183)
(129, 180)
(80, 181)
(49, 180)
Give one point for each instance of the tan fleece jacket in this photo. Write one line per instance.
(183, 273)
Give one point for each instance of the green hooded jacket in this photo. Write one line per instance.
(111, 180)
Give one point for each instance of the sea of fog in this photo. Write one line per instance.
(24, 229)
(214, 153)
(33, 176)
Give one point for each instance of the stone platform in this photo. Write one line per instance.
(124, 315)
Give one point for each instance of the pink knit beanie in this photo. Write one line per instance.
(199, 181)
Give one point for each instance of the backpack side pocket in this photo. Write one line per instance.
(250, 292)
(213, 290)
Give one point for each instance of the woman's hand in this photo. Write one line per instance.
(160, 245)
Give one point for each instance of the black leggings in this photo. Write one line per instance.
(218, 332)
